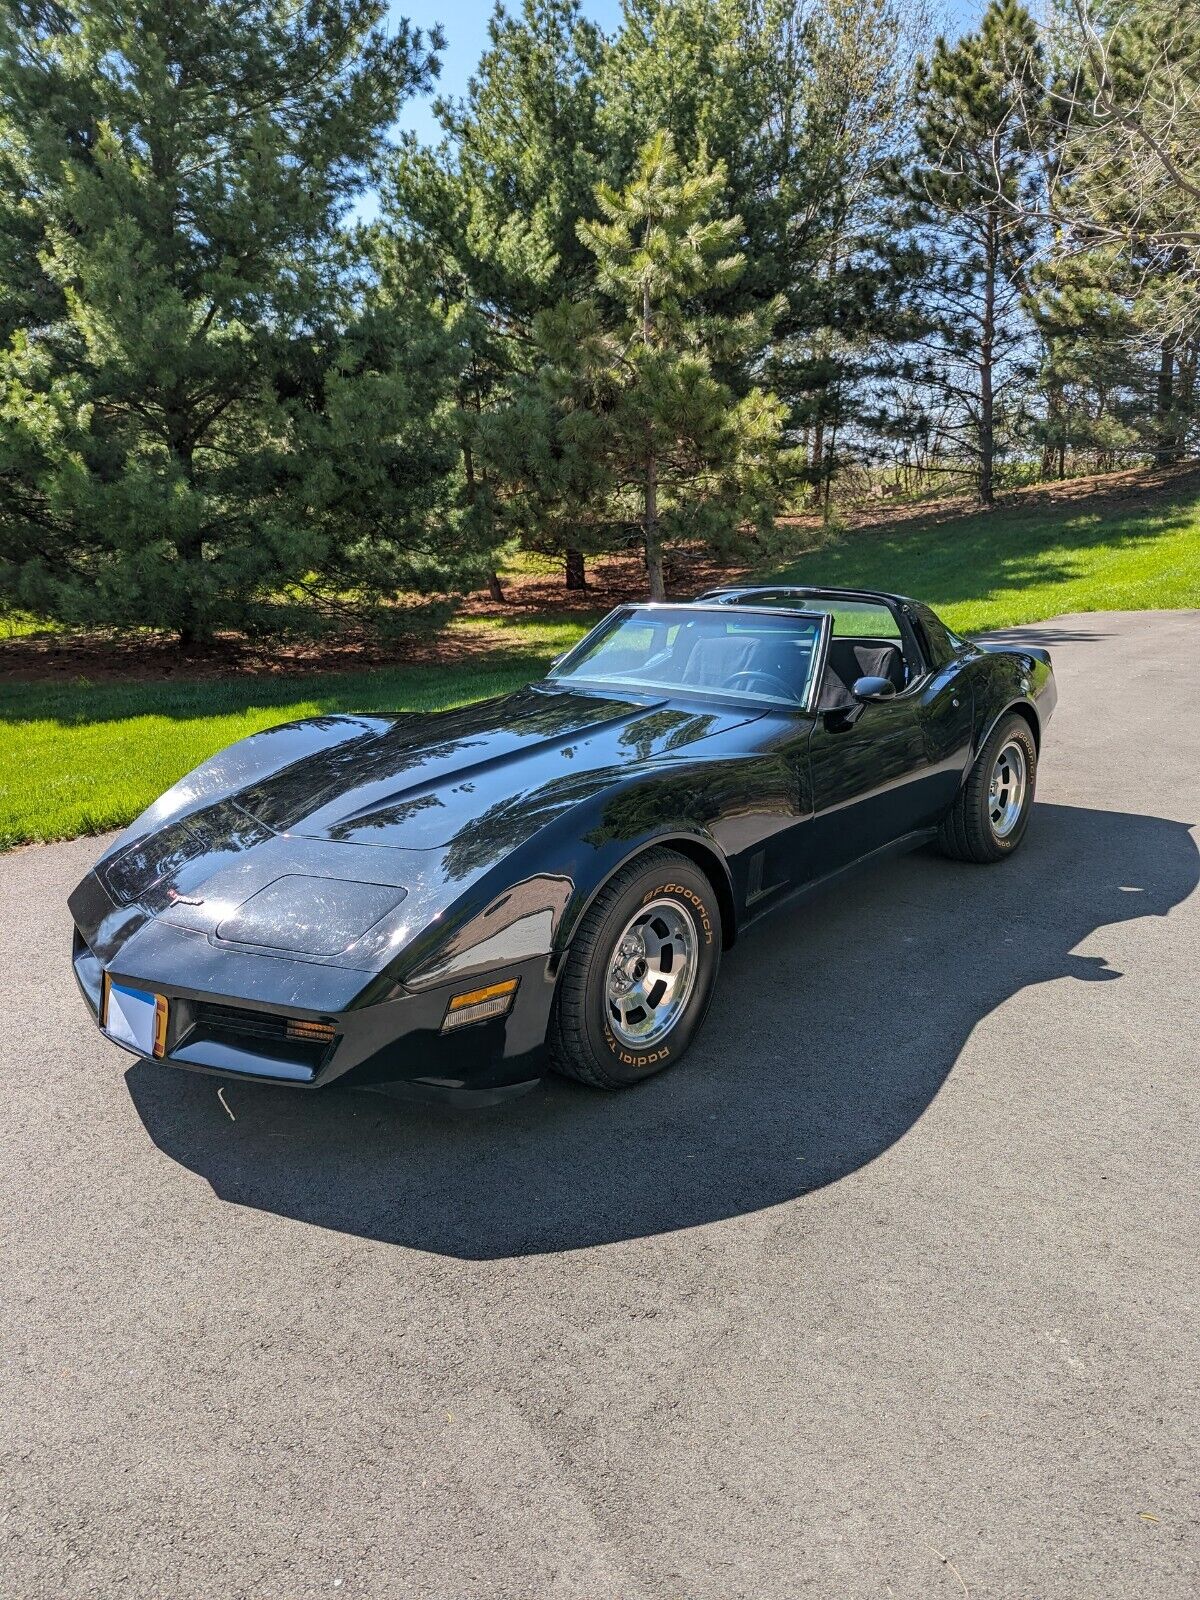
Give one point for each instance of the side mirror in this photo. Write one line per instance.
(873, 689)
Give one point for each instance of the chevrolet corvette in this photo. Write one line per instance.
(451, 901)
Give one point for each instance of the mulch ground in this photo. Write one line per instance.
(105, 657)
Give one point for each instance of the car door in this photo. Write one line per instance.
(869, 773)
(870, 767)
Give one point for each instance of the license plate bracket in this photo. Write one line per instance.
(135, 1018)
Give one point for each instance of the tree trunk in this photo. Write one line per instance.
(987, 440)
(1164, 450)
(194, 631)
(495, 590)
(654, 555)
(816, 461)
(654, 560)
(1055, 424)
(826, 489)
(576, 571)
(1185, 398)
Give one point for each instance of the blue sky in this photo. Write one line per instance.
(465, 25)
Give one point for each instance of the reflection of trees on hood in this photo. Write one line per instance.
(513, 821)
(154, 862)
(416, 740)
(393, 816)
(674, 728)
(516, 819)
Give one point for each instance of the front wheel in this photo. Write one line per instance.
(639, 975)
(988, 819)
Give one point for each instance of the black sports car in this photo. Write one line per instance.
(452, 900)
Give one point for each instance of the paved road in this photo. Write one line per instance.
(890, 1291)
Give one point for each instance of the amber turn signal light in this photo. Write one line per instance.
(315, 1032)
(479, 1004)
(160, 1027)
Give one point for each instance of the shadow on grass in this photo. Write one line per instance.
(807, 1069)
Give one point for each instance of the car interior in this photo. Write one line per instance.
(851, 659)
(746, 662)
(866, 643)
(753, 655)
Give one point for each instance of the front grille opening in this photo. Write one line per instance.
(295, 1039)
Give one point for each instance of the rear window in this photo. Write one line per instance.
(851, 619)
(858, 619)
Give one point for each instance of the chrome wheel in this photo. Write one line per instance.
(651, 973)
(1006, 793)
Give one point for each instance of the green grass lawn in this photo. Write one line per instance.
(82, 758)
(19, 625)
(1024, 563)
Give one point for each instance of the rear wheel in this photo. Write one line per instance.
(639, 975)
(988, 819)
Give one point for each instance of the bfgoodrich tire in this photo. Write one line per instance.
(988, 819)
(639, 975)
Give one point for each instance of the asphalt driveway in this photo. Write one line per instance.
(890, 1290)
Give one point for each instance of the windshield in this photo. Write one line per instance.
(741, 653)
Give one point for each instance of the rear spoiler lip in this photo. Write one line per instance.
(1014, 647)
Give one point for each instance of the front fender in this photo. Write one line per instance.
(698, 845)
(527, 905)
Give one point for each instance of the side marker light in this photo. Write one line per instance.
(479, 1004)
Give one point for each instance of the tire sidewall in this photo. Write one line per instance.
(1012, 730)
(688, 886)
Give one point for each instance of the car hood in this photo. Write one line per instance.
(341, 855)
(417, 783)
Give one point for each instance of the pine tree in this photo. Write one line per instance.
(637, 412)
(1126, 194)
(496, 211)
(801, 100)
(966, 198)
(206, 405)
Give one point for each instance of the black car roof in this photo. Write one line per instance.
(734, 594)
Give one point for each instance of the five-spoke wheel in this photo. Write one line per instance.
(640, 972)
(991, 812)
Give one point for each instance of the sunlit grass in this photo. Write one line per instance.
(21, 625)
(1026, 563)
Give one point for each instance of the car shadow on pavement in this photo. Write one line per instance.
(834, 1027)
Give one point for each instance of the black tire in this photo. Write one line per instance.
(968, 832)
(580, 1040)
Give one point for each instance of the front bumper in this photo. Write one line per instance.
(228, 1015)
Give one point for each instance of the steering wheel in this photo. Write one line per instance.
(777, 684)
